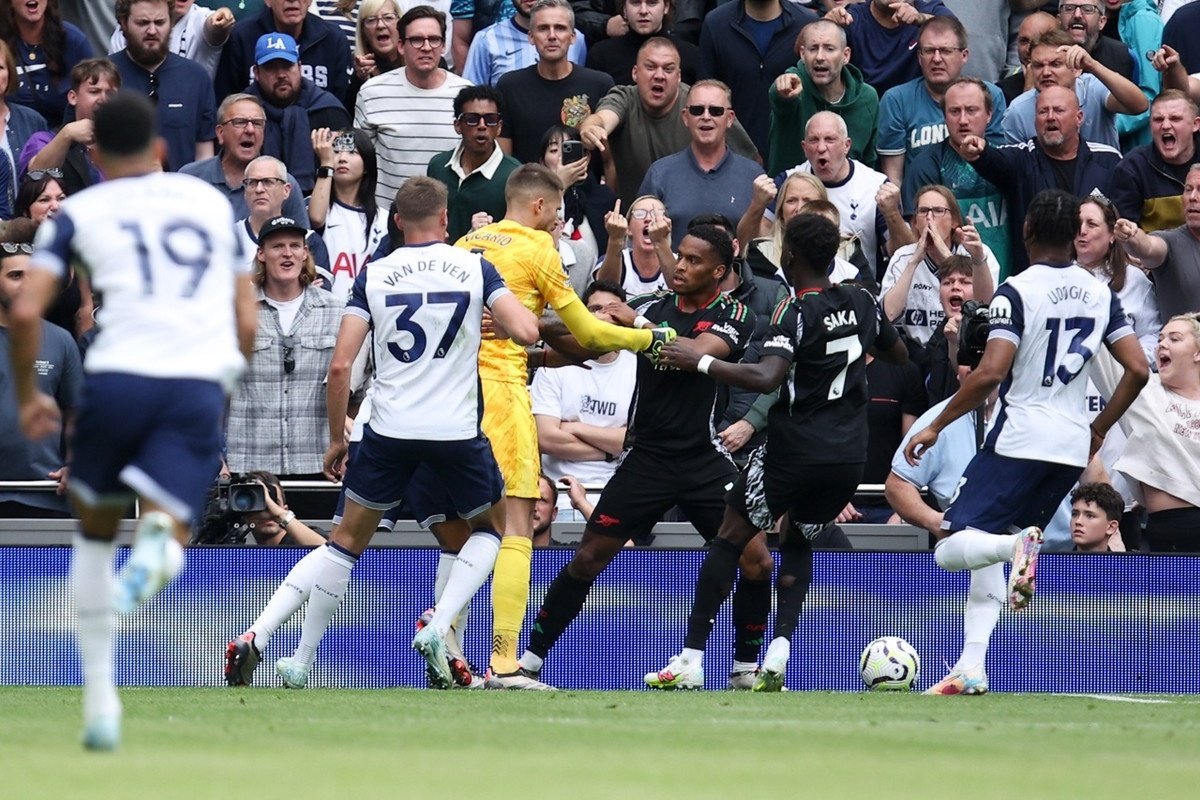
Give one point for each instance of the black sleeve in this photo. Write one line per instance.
(591, 17)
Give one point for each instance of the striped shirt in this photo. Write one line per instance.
(407, 125)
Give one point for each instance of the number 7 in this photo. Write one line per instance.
(852, 347)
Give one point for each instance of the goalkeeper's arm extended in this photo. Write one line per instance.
(604, 337)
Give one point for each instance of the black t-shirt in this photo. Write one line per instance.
(1064, 174)
(532, 104)
(675, 412)
(893, 390)
(821, 414)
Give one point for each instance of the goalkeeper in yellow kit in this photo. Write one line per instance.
(525, 254)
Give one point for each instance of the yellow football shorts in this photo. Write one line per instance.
(509, 426)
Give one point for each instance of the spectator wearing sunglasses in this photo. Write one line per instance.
(326, 51)
(179, 89)
(408, 113)
(476, 170)
(294, 106)
(277, 417)
(706, 177)
(644, 122)
(93, 83)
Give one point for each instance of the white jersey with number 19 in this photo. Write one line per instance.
(425, 304)
(1058, 316)
(161, 253)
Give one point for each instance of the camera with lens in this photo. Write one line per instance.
(229, 501)
(973, 333)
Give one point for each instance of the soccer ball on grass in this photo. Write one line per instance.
(889, 664)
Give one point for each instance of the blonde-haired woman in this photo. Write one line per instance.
(1162, 457)
(639, 247)
(377, 45)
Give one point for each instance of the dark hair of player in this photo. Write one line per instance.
(810, 242)
(718, 239)
(603, 286)
(420, 198)
(1107, 498)
(126, 125)
(1052, 219)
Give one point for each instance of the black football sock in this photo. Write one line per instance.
(564, 600)
(795, 576)
(751, 607)
(713, 585)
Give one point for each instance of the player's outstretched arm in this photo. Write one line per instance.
(517, 320)
(351, 335)
(690, 355)
(600, 336)
(1129, 354)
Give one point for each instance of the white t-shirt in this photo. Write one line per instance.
(598, 396)
(923, 307)
(288, 309)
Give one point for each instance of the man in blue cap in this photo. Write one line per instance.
(326, 51)
(294, 106)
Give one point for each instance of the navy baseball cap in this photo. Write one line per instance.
(277, 224)
(275, 47)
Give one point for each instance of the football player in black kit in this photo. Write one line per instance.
(816, 444)
(674, 456)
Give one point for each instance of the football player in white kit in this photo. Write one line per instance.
(423, 304)
(1046, 325)
(178, 326)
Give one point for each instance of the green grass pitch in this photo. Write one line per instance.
(265, 743)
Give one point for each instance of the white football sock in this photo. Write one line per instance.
(94, 584)
(691, 655)
(458, 628)
(744, 666)
(330, 579)
(972, 549)
(985, 598)
(287, 599)
(471, 570)
(531, 662)
(778, 652)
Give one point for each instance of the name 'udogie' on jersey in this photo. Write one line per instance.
(425, 305)
(1058, 316)
(161, 252)
(820, 417)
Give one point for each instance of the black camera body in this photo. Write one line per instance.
(973, 333)
(229, 501)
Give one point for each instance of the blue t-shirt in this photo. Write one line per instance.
(910, 119)
(1099, 124)
(688, 191)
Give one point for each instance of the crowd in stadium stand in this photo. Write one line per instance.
(923, 128)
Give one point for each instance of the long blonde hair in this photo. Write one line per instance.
(777, 228)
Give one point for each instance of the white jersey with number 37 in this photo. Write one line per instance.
(162, 256)
(1058, 317)
(425, 303)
